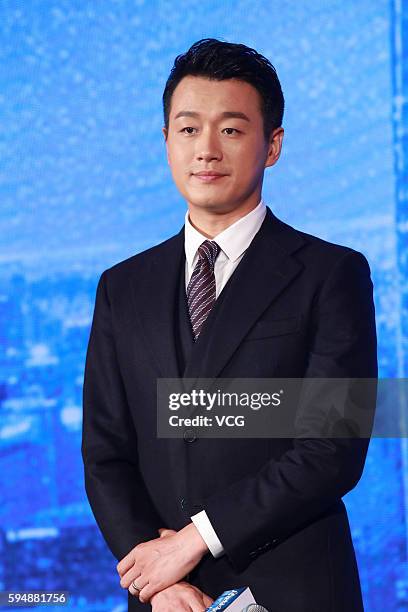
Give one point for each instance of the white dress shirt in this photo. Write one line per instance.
(233, 242)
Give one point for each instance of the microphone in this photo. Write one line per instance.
(254, 608)
(233, 600)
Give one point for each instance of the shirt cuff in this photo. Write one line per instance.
(203, 524)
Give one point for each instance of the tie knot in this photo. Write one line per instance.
(209, 250)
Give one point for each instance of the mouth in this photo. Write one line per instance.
(209, 178)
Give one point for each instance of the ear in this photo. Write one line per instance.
(165, 134)
(274, 146)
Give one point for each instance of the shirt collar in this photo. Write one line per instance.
(233, 241)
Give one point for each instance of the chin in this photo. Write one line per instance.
(206, 199)
(209, 204)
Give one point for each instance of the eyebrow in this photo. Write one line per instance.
(225, 114)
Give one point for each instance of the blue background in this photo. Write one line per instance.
(84, 183)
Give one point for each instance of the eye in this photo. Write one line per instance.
(187, 128)
(192, 128)
(233, 129)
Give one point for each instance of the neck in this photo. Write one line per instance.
(211, 223)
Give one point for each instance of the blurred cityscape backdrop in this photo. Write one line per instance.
(84, 183)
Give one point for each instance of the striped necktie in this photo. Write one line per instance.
(201, 288)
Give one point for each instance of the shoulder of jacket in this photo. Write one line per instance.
(139, 260)
(332, 252)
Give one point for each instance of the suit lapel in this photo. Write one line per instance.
(263, 273)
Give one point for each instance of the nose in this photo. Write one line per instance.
(208, 147)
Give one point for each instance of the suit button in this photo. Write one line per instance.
(189, 436)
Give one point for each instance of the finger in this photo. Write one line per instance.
(166, 532)
(133, 576)
(207, 600)
(148, 591)
(125, 564)
(197, 602)
(133, 591)
(136, 586)
(127, 578)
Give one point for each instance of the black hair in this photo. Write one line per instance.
(218, 60)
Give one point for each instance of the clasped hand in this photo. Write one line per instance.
(162, 562)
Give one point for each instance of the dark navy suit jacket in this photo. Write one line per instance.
(296, 306)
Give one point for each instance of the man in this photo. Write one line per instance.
(236, 293)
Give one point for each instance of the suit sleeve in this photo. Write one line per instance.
(315, 473)
(116, 492)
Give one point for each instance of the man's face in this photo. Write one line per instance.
(218, 126)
